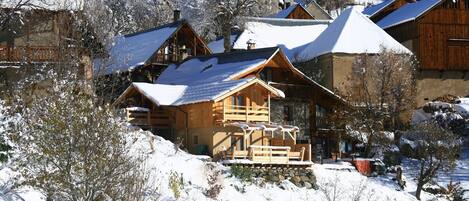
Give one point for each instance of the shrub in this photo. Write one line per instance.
(176, 183)
(243, 173)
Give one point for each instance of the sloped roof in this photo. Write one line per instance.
(291, 37)
(219, 68)
(408, 12)
(217, 45)
(134, 50)
(176, 95)
(287, 11)
(216, 67)
(374, 9)
(351, 33)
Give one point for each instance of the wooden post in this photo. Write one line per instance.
(270, 156)
(247, 113)
(224, 112)
(268, 105)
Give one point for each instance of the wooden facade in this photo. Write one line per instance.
(439, 38)
(388, 9)
(184, 43)
(300, 13)
(210, 123)
(40, 35)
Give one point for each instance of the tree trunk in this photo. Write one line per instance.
(419, 190)
(226, 37)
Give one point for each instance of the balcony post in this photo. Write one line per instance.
(247, 113)
(268, 105)
(224, 112)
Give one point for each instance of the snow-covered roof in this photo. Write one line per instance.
(217, 46)
(351, 33)
(290, 38)
(175, 95)
(134, 50)
(222, 67)
(408, 12)
(374, 9)
(216, 67)
(285, 12)
(160, 94)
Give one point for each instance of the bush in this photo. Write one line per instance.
(455, 192)
(212, 181)
(73, 148)
(176, 183)
(243, 173)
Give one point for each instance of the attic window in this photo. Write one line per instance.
(206, 68)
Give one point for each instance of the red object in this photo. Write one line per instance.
(363, 166)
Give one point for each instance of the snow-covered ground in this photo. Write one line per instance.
(164, 158)
(459, 174)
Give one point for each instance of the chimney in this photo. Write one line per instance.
(251, 44)
(176, 15)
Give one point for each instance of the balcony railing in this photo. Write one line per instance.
(228, 113)
(143, 117)
(32, 54)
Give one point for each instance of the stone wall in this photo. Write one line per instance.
(433, 84)
(301, 177)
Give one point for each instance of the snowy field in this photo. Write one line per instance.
(336, 181)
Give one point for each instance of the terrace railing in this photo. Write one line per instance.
(228, 113)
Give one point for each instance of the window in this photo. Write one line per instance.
(266, 75)
(466, 4)
(287, 113)
(196, 140)
(238, 100)
(237, 143)
(320, 116)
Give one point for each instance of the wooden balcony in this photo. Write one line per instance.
(232, 113)
(32, 54)
(145, 118)
(299, 154)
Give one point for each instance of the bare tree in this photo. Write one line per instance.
(72, 148)
(10, 11)
(227, 14)
(333, 5)
(381, 89)
(436, 149)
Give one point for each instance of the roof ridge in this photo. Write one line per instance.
(237, 51)
(178, 23)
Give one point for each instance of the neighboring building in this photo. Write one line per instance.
(437, 31)
(142, 56)
(335, 50)
(38, 38)
(380, 10)
(273, 32)
(216, 100)
(293, 11)
(315, 10)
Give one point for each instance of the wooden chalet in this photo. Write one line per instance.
(38, 37)
(293, 11)
(145, 54)
(315, 10)
(237, 105)
(437, 31)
